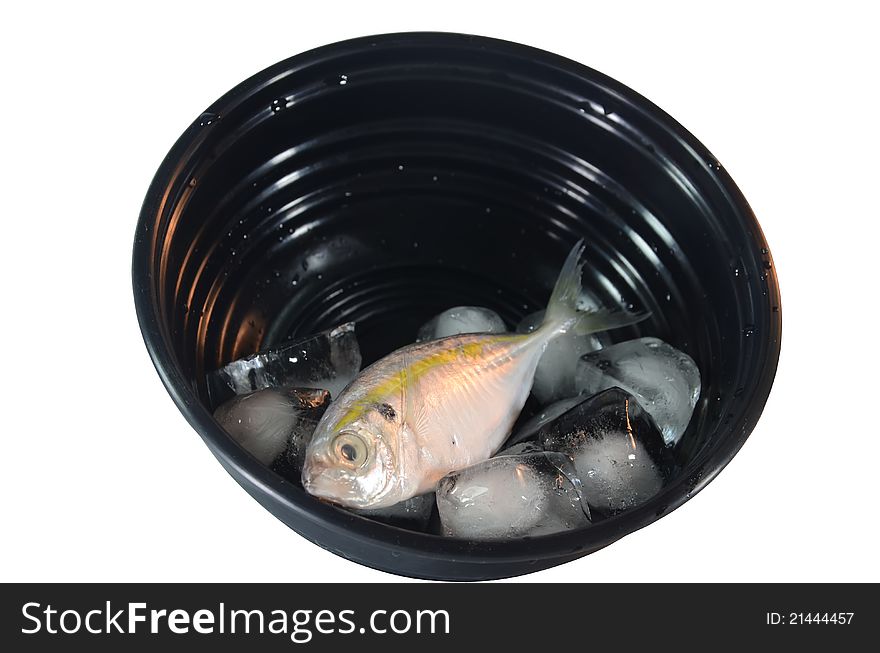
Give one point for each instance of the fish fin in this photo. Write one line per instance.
(607, 319)
(413, 412)
(563, 316)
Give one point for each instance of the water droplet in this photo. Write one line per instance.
(244, 236)
(192, 182)
(434, 178)
(348, 193)
(400, 167)
(764, 250)
(488, 209)
(278, 104)
(208, 118)
(775, 309)
(749, 330)
(320, 276)
(767, 265)
(415, 244)
(343, 80)
(668, 297)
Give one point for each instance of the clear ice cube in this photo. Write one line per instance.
(511, 496)
(328, 360)
(414, 513)
(521, 448)
(269, 422)
(461, 319)
(665, 380)
(530, 427)
(619, 454)
(554, 378)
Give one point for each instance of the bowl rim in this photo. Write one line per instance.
(346, 525)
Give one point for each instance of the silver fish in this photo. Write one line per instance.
(435, 407)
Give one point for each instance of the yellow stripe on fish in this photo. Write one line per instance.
(471, 351)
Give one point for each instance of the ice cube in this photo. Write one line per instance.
(461, 319)
(665, 380)
(511, 496)
(619, 455)
(521, 448)
(530, 427)
(269, 422)
(328, 360)
(414, 513)
(554, 378)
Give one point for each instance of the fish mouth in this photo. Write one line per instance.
(329, 483)
(312, 474)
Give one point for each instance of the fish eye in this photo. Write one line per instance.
(348, 452)
(350, 449)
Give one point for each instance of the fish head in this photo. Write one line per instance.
(352, 463)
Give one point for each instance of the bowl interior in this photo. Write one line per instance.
(384, 180)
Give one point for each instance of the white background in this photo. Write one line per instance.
(103, 480)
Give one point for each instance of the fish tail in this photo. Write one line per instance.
(563, 316)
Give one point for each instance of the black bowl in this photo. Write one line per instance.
(384, 179)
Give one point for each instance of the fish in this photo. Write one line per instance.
(431, 408)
